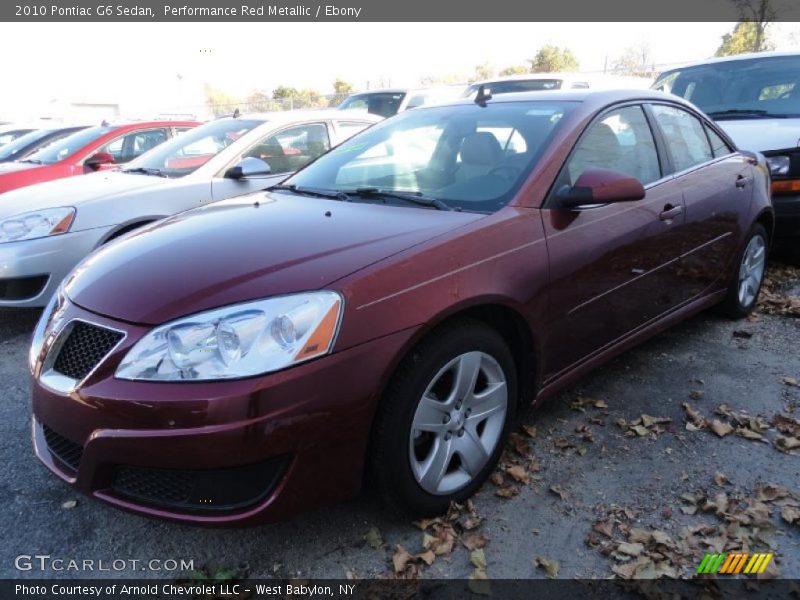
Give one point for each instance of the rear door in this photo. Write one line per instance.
(609, 264)
(715, 182)
(285, 151)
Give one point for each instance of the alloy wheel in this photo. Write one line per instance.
(458, 423)
(751, 270)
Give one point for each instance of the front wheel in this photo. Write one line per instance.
(746, 283)
(443, 422)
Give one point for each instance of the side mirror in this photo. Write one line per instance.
(600, 186)
(95, 161)
(247, 168)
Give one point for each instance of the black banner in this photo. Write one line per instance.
(388, 10)
(541, 589)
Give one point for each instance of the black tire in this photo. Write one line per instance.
(732, 306)
(389, 460)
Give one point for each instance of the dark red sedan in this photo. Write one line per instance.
(87, 151)
(387, 309)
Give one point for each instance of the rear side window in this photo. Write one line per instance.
(718, 146)
(685, 136)
(622, 141)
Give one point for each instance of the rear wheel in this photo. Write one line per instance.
(443, 422)
(747, 280)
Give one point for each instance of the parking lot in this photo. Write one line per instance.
(606, 478)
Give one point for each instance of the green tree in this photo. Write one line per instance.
(636, 61)
(259, 102)
(220, 102)
(283, 92)
(551, 58)
(747, 36)
(515, 70)
(483, 71)
(340, 86)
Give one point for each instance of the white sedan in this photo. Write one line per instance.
(46, 229)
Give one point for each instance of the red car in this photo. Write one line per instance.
(387, 309)
(89, 150)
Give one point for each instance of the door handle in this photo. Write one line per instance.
(742, 181)
(670, 212)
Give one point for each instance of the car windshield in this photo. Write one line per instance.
(464, 157)
(13, 148)
(513, 85)
(191, 150)
(65, 147)
(736, 89)
(384, 104)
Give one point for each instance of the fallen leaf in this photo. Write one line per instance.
(559, 491)
(497, 478)
(630, 549)
(695, 394)
(427, 557)
(640, 430)
(787, 444)
(401, 559)
(720, 428)
(519, 443)
(720, 479)
(551, 567)
(790, 381)
(790, 514)
(605, 527)
(471, 523)
(600, 404)
(478, 559)
(479, 583)
(507, 492)
(374, 538)
(474, 541)
(518, 473)
(530, 430)
(69, 504)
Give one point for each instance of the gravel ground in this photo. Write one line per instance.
(619, 478)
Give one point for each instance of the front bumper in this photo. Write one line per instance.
(31, 270)
(301, 434)
(787, 215)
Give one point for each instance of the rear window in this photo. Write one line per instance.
(516, 85)
(735, 89)
(382, 104)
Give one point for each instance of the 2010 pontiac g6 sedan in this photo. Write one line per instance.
(383, 313)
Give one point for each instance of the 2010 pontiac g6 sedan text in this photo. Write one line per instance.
(386, 310)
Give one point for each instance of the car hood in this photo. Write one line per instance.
(74, 191)
(243, 249)
(763, 135)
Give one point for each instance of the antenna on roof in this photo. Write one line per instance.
(104, 123)
(482, 97)
(236, 114)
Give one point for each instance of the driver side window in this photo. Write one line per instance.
(293, 148)
(621, 141)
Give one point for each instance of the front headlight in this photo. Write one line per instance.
(778, 165)
(38, 224)
(237, 341)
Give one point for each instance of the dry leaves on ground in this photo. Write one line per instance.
(645, 425)
(773, 298)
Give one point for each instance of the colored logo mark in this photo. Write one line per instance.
(735, 562)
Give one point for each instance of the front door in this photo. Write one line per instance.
(609, 264)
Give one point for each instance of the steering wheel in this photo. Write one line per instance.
(511, 172)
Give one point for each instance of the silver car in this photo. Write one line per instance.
(46, 229)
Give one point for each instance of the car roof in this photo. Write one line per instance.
(139, 124)
(723, 59)
(598, 97)
(290, 116)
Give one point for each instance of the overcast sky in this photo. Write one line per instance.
(137, 64)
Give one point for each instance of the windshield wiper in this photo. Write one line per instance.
(32, 161)
(743, 112)
(411, 197)
(146, 171)
(304, 191)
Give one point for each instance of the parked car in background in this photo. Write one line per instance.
(46, 229)
(755, 98)
(11, 131)
(89, 150)
(540, 82)
(388, 310)
(386, 103)
(33, 141)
